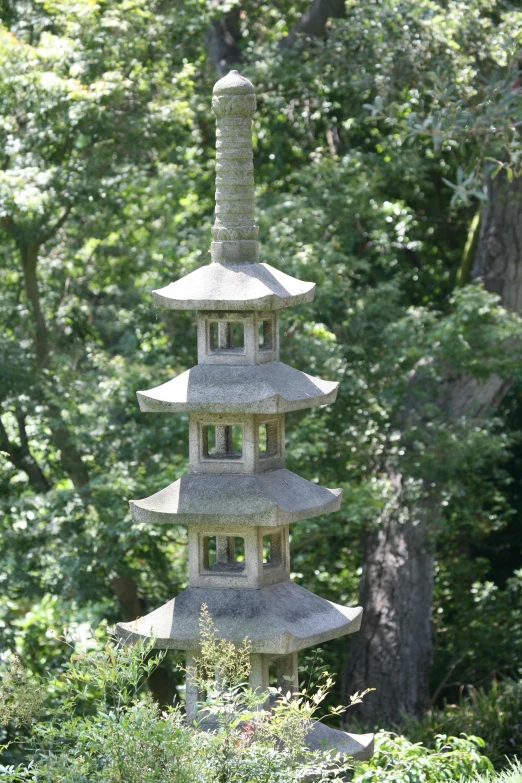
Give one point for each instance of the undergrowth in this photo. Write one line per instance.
(105, 727)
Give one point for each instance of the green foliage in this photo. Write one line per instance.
(493, 714)
(511, 775)
(397, 760)
(489, 644)
(220, 664)
(367, 178)
(220, 673)
(106, 729)
(20, 700)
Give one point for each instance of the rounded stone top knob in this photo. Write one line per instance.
(234, 96)
(233, 84)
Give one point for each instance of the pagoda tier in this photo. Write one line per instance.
(321, 737)
(277, 620)
(273, 498)
(234, 286)
(261, 388)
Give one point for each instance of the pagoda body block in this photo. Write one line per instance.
(238, 499)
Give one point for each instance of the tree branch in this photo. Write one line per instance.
(224, 36)
(8, 225)
(70, 457)
(20, 456)
(52, 230)
(20, 420)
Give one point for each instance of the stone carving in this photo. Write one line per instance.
(238, 499)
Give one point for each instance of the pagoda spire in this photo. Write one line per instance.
(238, 498)
(234, 104)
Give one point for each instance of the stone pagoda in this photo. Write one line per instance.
(238, 500)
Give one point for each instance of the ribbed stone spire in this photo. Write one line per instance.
(235, 232)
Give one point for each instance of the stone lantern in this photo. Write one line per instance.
(238, 500)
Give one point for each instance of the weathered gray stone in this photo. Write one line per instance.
(244, 337)
(234, 103)
(252, 570)
(265, 388)
(321, 737)
(234, 287)
(243, 456)
(234, 280)
(277, 620)
(266, 499)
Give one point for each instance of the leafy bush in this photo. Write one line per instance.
(494, 714)
(397, 760)
(107, 729)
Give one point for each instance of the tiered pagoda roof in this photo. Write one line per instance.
(261, 388)
(235, 286)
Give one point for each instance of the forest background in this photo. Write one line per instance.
(388, 160)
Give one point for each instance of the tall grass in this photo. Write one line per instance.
(495, 714)
(511, 775)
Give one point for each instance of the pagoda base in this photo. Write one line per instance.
(320, 737)
(277, 620)
(358, 746)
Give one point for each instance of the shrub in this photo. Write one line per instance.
(495, 714)
(107, 729)
(397, 760)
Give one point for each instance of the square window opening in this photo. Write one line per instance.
(224, 554)
(269, 439)
(266, 335)
(273, 550)
(222, 442)
(227, 336)
(272, 677)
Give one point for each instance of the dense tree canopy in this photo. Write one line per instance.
(387, 134)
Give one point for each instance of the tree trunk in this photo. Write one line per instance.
(222, 40)
(29, 256)
(499, 253)
(314, 19)
(392, 652)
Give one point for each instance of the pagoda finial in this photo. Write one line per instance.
(235, 232)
